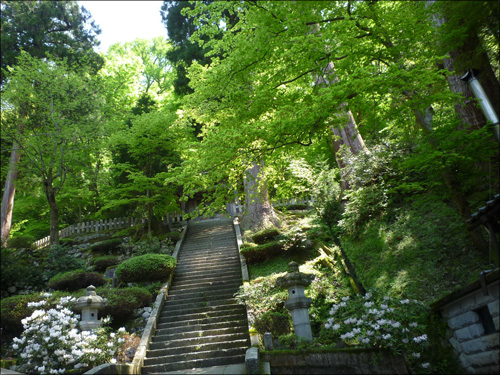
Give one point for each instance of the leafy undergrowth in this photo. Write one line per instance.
(418, 251)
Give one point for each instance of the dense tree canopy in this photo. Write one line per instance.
(60, 28)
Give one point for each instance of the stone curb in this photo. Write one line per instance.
(140, 354)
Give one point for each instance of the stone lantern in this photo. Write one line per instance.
(297, 302)
(89, 305)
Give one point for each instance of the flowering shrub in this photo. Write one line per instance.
(395, 324)
(51, 343)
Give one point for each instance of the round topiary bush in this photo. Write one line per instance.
(147, 267)
(77, 279)
(272, 321)
(101, 263)
(122, 302)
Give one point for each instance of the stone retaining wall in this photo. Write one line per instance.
(340, 361)
(472, 314)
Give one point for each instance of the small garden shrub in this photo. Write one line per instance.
(147, 246)
(261, 253)
(101, 263)
(58, 261)
(272, 321)
(172, 236)
(17, 271)
(77, 279)
(122, 302)
(264, 235)
(262, 295)
(148, 267)
(108, 246)
(21, 242)
(14, 309)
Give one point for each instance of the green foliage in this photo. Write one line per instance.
(148, 267)
(264, 235)
(122, 302)
(404, 251)
(108, 246)
(74, 280)
(17, 270)
(14, 309)
(172, 236)
(260, 253)
(58, 260)
(68, 241)
(277, 323)
(261, 295)
(101, 263)
(59, 28)
(147, 246)
(293, 342)
(21, 242)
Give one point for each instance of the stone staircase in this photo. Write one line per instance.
(200, 324)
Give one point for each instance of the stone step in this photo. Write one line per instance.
(203, 294)
(236, 322)
(204, 319)
(241, 343)
(199, 333)
(193, 341)
(189, 267)
(201, 313)
(205, 276)
(202, 287)
(173, 307)
(202, 283)
(197, 363)
(191, 356)
(208, 261)
(191, 254)
(209, 297)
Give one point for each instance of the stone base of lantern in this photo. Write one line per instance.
(89, 326)
(301, 323)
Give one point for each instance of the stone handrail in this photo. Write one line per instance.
(140, 353)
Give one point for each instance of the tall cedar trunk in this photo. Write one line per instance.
(54, 211)
(347, 134)
(9, 193)
(259, 212)
(453, 184)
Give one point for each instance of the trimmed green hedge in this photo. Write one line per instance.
(260, 253)
(265, 235)
(272, 321)
(122, 302)
(77, 279)
(101, 263)
(14, 309)
(148, 267)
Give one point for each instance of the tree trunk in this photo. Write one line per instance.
(470, 55)
(259, 212)
(346, 134)
(54, 212)
(9, 193)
